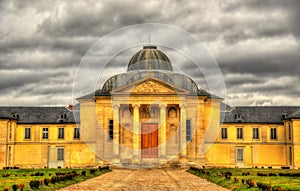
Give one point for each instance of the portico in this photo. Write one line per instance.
(144, 113)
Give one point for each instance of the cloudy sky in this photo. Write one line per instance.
(255, 43)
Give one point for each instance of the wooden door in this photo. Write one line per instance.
(149, 142)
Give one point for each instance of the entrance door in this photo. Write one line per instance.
(240, 156)
(149, 142)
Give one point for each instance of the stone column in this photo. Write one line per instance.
(183, 131)
(116, 132)
(136, 131)
(163, 131)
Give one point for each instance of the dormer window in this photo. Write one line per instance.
(238, 118)
(16, 116)
(62, 118)
(283, 115)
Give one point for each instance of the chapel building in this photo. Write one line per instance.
(148, 116)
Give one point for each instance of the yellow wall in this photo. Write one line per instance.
(257, 152)
(296, 140)
(34, 152)
(3, 141)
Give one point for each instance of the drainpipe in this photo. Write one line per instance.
(251, 155)
(6, 144)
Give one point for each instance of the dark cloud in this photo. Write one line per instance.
(255, 43)
(291, 8)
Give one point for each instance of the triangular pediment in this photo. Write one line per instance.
(149, 86)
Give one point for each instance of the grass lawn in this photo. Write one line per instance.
(23, 176)
(285, 179)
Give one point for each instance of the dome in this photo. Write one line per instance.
(149, 58)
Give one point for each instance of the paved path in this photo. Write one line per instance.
(146, 179)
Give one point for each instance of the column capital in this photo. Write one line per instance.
(162, 106)
(115, 106)
(136, 106)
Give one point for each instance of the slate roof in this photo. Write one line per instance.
(295, 115)
(38, 115)
(149, 58)
(260, 114)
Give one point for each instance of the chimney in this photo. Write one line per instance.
(71, 107)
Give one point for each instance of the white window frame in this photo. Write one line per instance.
(240, 155)
(255, 133)
(273, 133)
(27, 133)
(61, 135)
(239, 134)
(60, 153)
(224, 134)
(76, 133)
(45, 133)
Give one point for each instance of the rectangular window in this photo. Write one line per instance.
(290, 132)
(45, 133)
(188, 126)
(10, 131)
(110, 130)
(273, 133)
(255, 133)
(61, 133)
(27, 133)
(76, 133)
(240, 154)
(60, 154)
(291, 155)
(224, 133)
(239, 133)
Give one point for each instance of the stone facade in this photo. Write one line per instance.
(150, 115)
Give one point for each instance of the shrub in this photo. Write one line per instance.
(272, 174)
(47, 181)
(92, 171)
(250, 183)
(5, 175)
(227, 177)
(261, 174)
(285, 167)
(34, 184)
(245, 173)
(15, 187)
(5, 189)
(83, 173)
(243, 181)
(264, 186)
(277, 188)
(21, 186)
(228, 173)
(236, 179)
(107, 168)
(54, 179)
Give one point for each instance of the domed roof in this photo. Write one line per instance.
(149, 58)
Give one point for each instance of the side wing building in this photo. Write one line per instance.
(150, 115)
